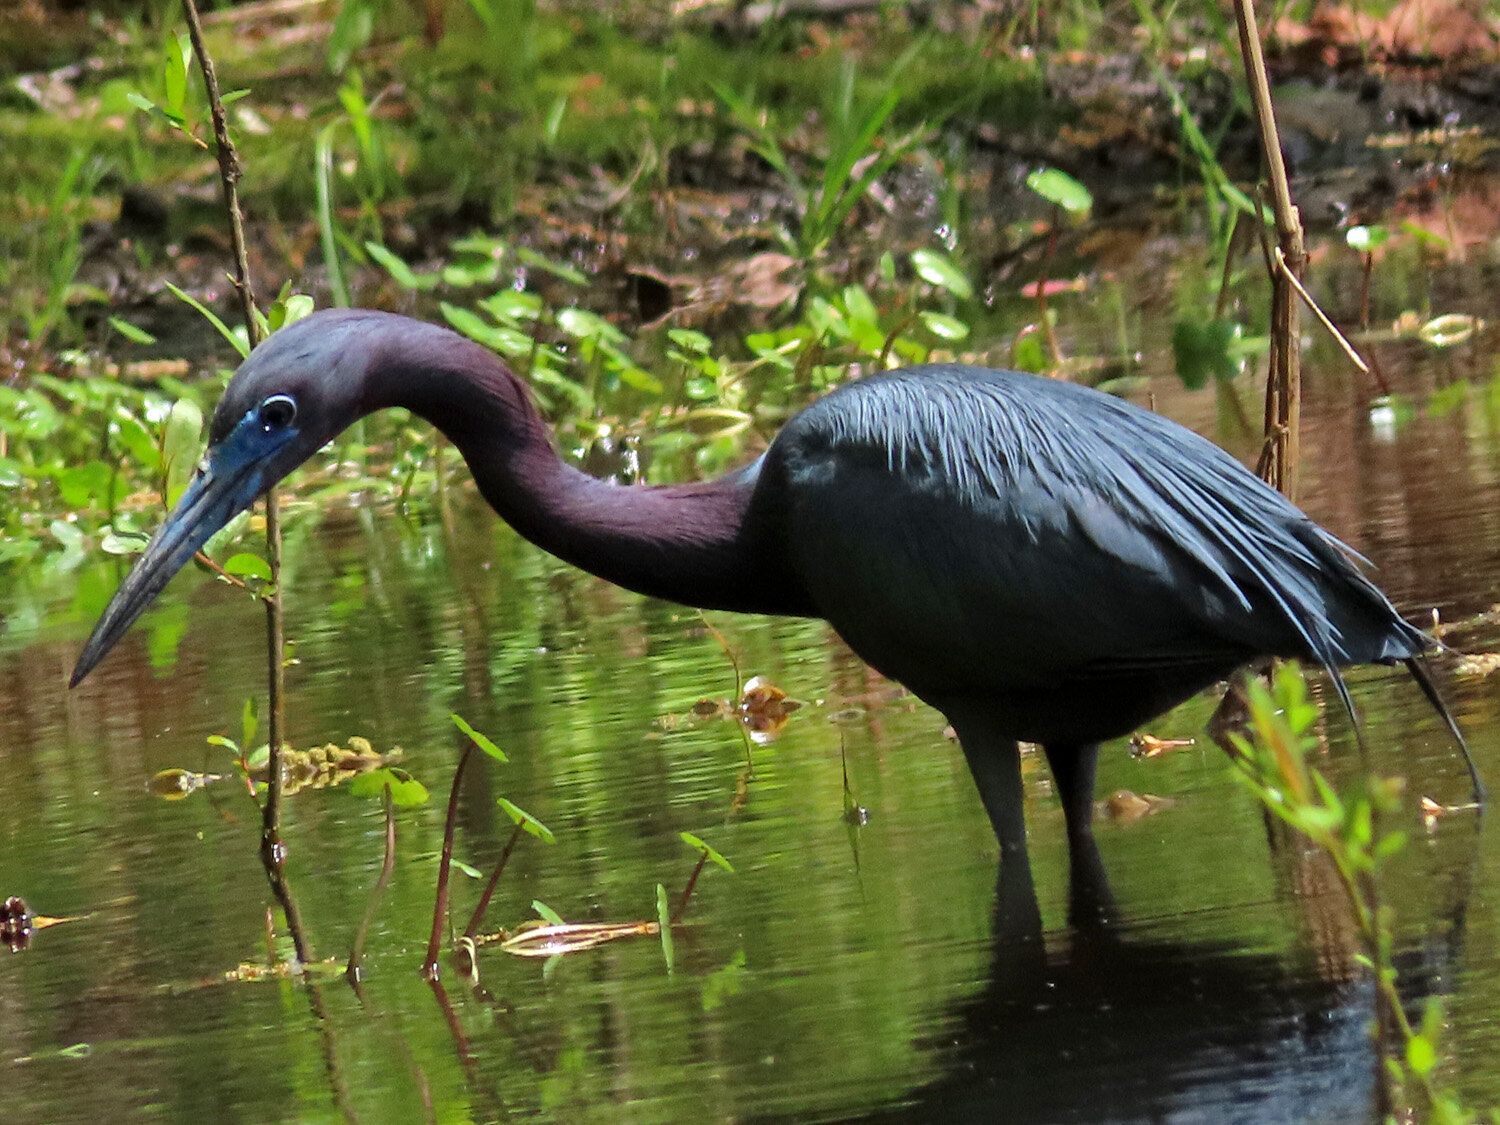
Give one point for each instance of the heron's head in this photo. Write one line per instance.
(293, 395)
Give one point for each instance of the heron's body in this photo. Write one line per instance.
(1038, 560)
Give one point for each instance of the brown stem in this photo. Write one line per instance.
(229, 173)
(489, 888)
(272, 850)
(1041, 287)
(1278, 462)
(1364, 292)
(687, 891)
(430, 968)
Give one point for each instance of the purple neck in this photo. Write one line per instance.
(699, 544)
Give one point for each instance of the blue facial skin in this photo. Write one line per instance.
(232, 475)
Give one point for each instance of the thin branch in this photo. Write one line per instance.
(272, 850)
(1317, 311)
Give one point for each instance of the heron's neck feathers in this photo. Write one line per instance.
(693, 543)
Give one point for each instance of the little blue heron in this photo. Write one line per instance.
(1037, 560)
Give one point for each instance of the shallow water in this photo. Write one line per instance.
(839, 973)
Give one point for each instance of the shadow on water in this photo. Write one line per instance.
(1159, 1029)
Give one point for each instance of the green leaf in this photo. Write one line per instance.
(209, 315)
(406, 791)
(938, 269)
(401, 273)
(1421, 1055)
(174, 73)
(546, 913)
(529, 257)
(944, 327)
(694, 842)
(181, 445)
(1204, 349)
(527, 822)
(1061, 189)
(248, 565)
(115, 542)
(80, 484)
(130, 331)
(479, 740)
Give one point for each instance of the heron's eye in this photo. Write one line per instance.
(278, 412)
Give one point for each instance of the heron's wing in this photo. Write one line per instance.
(963, 517)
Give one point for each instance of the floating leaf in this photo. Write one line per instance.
(175, 784)
(479, 740)
(406, 791)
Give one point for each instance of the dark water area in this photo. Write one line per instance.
(840, 973)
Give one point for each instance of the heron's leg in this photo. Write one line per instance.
(995, 762)
(1073, 772)
(1090, 901)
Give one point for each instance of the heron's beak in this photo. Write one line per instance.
(231, 476)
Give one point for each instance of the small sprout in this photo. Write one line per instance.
(546, 913)
(478, 739)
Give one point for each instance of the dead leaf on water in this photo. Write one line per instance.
(1478, 664)
(541, 939)
(175, 784)
(764, 709)
(1432, 811)
(1127, 807)
(1144, 745)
